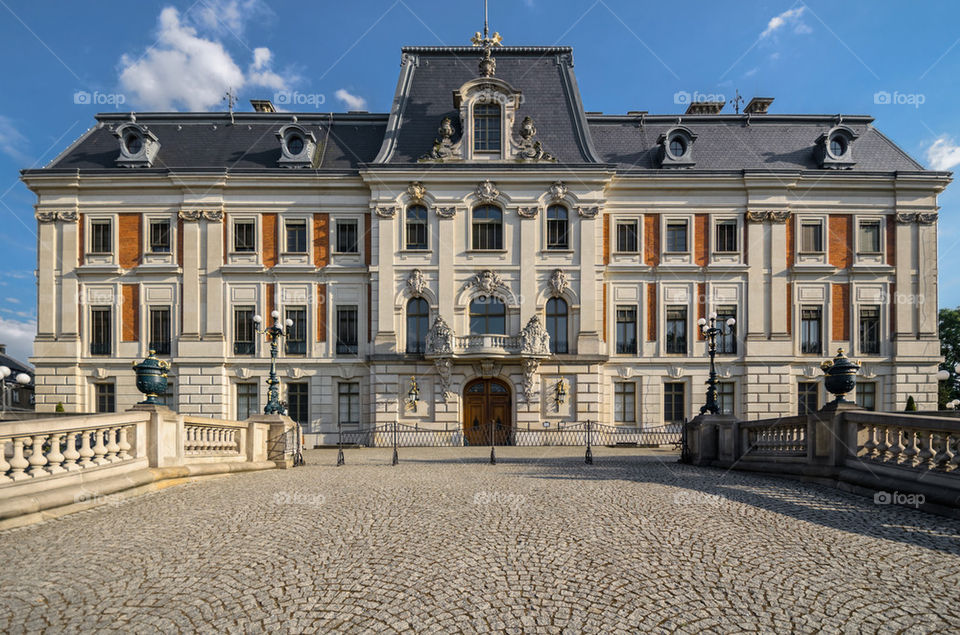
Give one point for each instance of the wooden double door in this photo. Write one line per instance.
(487, 413)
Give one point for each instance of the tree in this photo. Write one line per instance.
(949, 323)
(911, 404)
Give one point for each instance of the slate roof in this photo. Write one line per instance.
(16, 367)
(424, 95)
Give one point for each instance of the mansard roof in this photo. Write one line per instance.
(424, 95)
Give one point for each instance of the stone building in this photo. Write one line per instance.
(518, 258)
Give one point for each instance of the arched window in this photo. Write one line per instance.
(416, 227)
(557, 324)
(418, 317)
(558, 228)
(486, 127)
(487, 227)
(488, 316)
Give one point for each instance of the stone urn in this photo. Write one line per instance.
(841, 375)
(152, 378)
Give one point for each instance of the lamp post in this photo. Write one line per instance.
(710, 330)
(274, 333)
(22, 379)
(944, 375)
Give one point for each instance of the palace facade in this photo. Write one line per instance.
(516, 258)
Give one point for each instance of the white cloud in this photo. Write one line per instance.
(226, 15)
(791, 16)
(18, 336)
(352, 102)
(12, 141)
(187, 70)
(12, 300)
(944, 154)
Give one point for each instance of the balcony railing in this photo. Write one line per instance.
(487, 344)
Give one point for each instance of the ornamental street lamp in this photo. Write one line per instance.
(273, 333)
(944, 375)
(711, 331)
(22, 379)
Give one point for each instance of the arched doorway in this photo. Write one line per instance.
(486, 412)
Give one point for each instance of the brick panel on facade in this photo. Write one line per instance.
(129, 227)
(130, 312)
(841, 311)
(791, 242)
(701, 239)
(81, 227)
(701, 306)
(269, 239)
(891, 240)
(651, 239)
(180, 242)
(322, 312)
(271, 304)
(789, 307)
(367, 232)
(321, 243)
(606, 239)
(841, 248)
(651, 311)
(603, 329)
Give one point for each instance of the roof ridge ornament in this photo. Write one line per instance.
(488, 65)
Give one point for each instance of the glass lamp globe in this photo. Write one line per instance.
(23, 379)
(288, 322)
(956, 367)
(731, 322)
(4, 372)
(943, 375)
(275, 314)
(702, 321)
(257, 319)
(713, 315)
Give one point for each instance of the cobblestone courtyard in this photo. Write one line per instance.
(446, 543)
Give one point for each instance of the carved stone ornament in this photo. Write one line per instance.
(190, 214)
(416, 191)
(445, 370)
(213, 215)
(528, 212)
(906, 217)
(534, 339)
(557, 191)
(488, 282)
(446, 212)
(588, 212)
(295, 372)
(530, 368)
(527, 147)
(100, 373)
(676, 372)
(440, 338)
(778, 216)
(69, 216)
(774, 216)
(756, 217)
(444, 148)
(927, 219)
(416, 283)
(243, 373)
(559, 282)
(386, 211)
(487, 191)
(46, 217)
(487, 368)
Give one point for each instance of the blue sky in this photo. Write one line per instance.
(69, 60)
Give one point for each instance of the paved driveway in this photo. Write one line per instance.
(446, 543)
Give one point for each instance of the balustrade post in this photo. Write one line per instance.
(942, 457)
(19, 464)
(86, 452)
(70, 453)
(4, 466)
(123, 444)
(955, 461)
(37, 459)
(112, 447)
(54, 456)
(925, 457)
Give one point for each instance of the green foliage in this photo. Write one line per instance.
(950, 349)
(911, 404)
(60, 407)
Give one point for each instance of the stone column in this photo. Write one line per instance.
(591, 302)
(446, 249)
(46, 280)
(779, 274)
(754, 301)
(69, 285)
(382, 277)
(190, 329)
(214, 327)
(528, 260)
(906, 260)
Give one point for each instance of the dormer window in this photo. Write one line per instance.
(138, 146)
(834, 148)
(675, 148)
(297, 146)
(486, 127)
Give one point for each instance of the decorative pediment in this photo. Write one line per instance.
(489, 282)
(557, 192)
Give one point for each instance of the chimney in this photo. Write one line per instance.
(705, 108)
(758, 105)
(3, 349)
(262, 105)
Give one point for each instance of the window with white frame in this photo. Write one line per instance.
(811, 330)
(487, 228)
(674, 402)
(296, 341)
(160, 329)
(628, 236)
(558, 227)
(347, 236)
(100, 330)
(243, 331)
(348, 403)
(725, 397)
(868, 236)
(726, 236)
(486, 127)
(870, 330)
(106, 397)
(625, 402)
(348, 326)
(101, 239)
(811, 236)
(808, 397)
(626, 335)
(677, 236)
(160, 236)
(247, 401)
(867, 395)
(417, 227)
(677, 330)
(296, 236)
(244, 236)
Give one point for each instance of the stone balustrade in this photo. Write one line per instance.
(60, 461)
(857, 450)
(487, 344)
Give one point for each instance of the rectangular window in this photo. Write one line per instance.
(247, 405)
(811, 237)
(296, 341)
(626, 330)
(677, 330)
(625, 402)
(727, 342)
(627, 237)
(417, 227)
(808, 397)
(725, 392)
(557, 228)
(870, 237)
(348, 397)
(673, 402)
(243, 331)
(726, 236)
(487, 226)
(347, 334)
(160, 330)
(869, 330)
(167, 398)
(100, 240)
(347, 237)
(811, 330)
(486, 128)
(867, 394)
(160, 237)
(296, 237)
(677, 236)
(244, 236)
(100, 330)
(298, 402)
(106, 394)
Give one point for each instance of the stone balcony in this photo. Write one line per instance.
(533, 342)
(487, 345)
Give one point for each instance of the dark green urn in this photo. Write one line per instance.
(152, 378)
(841, 375)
